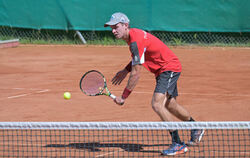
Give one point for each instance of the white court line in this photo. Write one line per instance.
(25, 94)
(226, 152)
(17, 88)
(200, 94)
(221, 94)
(36, 91)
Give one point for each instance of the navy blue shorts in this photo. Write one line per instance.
(167, 82)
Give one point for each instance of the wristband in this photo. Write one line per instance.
(126, 93)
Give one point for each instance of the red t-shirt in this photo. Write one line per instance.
(152, 53)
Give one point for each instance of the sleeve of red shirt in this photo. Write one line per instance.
(136, 46)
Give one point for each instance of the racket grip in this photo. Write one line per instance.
(112, 96)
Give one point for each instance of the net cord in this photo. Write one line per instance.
(125, 125)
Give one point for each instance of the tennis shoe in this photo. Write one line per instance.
(196, 135)
(175, 149)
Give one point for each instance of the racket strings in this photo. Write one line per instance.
(92, 83)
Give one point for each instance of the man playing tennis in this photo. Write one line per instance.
(148, 51)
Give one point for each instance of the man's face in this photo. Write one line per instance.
(119, 30)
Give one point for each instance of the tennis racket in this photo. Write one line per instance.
(93, 83)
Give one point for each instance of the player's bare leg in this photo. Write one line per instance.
(181, 113)
(158, 105)
(177, 110)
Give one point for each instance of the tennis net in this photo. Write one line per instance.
(120, 139)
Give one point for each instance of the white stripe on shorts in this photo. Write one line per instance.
(169, 81)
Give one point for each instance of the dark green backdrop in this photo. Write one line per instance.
(152, 15)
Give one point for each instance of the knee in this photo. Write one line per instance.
(157, 106)
(158, 102)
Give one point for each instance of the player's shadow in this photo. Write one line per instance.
(95, 146)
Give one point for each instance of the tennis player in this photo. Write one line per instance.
(150, 52)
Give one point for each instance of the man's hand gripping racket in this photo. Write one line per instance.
(93, 83)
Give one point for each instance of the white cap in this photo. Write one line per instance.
(117, 18)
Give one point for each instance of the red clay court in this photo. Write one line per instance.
(214, 85)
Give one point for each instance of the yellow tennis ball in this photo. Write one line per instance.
(67, 95)
(100, 88)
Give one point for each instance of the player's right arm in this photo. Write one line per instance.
(132, 82)
(121, 75)
(134, 76)
(136, 66)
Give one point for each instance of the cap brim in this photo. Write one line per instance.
(110, 23)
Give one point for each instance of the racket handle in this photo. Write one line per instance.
(112, 96)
